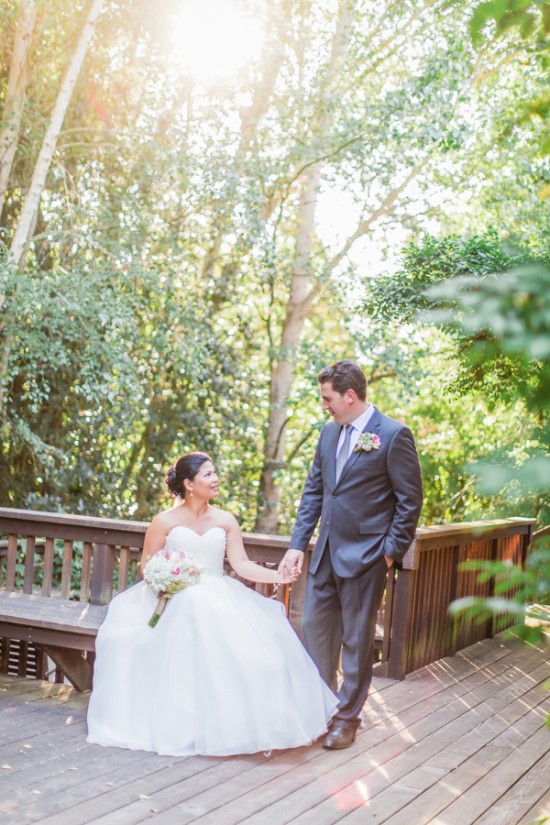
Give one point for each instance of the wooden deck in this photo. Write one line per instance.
(460, 741)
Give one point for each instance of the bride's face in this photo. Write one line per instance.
(205, 483)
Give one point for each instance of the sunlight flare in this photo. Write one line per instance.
(213, 39)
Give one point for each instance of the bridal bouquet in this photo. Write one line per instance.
(168, 572)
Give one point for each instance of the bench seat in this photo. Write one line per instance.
(65, 630)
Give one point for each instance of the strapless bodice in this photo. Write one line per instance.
(207, 550)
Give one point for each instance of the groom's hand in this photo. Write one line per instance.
(292, 563)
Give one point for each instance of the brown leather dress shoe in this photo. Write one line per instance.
(339, 737)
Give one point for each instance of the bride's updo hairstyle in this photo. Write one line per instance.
(185, 467)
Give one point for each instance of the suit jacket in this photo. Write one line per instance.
(372, 510)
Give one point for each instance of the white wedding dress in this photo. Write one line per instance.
(223, 672)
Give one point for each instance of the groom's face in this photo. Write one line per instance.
(339, 406)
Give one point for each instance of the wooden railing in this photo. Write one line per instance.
(43, 552)
(417, 625)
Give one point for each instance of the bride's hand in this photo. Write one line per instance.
(287, 578)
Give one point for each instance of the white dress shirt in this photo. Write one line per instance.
(358, 425)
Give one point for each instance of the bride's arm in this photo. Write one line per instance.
(154, 541)
(242, 565)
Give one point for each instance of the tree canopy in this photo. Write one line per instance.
(174, 268)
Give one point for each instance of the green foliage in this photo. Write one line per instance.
(492, 300)
(429, 261)
(505, 318)
(502, 322)
(530, 18)
(147, 321)
(103, 381)
(528, 587)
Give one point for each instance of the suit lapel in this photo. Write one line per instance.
(372, 426)
(331, 445)
(374, 422)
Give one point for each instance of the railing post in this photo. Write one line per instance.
(491, 624)
(526, 543)
(30, 545)
(297, 595)
(381, 667)
(450, 644)
(102, 574)
(400, 639)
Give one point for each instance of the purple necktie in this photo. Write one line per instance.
(343, 452)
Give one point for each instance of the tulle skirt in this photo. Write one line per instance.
(222, 673)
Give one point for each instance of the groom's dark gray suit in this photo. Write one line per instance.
(371, 512)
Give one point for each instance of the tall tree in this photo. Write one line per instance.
(16, 92)
(27, 218)
(202, 199)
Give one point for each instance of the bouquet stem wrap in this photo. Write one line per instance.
(159, 610)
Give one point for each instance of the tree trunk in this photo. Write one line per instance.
(306, 288)
(298, 308)
(29, 212)
(282, 373)
(30, 208)
(15, 95)
(305, 291)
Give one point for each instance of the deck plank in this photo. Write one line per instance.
(472, 779)
(358, 787)
(540, 809)
(301, 793)
(518, 800)
(462, 740)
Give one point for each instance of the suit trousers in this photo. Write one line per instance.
(339, 619)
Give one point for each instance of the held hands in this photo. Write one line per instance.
(291, 565)
(286, 578)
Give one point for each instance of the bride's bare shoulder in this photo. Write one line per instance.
(165, 519)
(224, 519)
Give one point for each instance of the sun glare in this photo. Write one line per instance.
(214, 39)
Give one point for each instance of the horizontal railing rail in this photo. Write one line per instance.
(91, 559)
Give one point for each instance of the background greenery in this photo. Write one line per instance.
(201, 249)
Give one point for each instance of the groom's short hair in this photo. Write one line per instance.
(345, 375)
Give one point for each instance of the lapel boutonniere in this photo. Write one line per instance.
(367, 442)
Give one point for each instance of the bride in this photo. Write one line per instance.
(222, 672)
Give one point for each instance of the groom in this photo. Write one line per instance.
(365, 489)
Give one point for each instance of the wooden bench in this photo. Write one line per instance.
(66, 630)
(42, 613)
